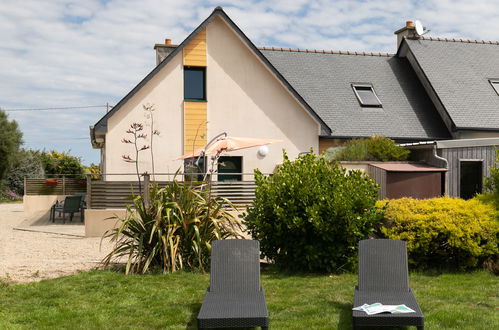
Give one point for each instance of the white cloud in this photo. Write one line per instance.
(68, 52)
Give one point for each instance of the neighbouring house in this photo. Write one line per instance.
(430, 93)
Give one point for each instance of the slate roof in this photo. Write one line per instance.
(459, 72)
(324, 81)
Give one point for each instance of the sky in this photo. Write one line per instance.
(58, 53)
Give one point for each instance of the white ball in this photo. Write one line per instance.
(263, 151)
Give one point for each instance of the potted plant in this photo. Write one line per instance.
(51, 182)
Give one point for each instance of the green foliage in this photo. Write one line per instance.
(174, 231)
(27, 163)
(10, 140)
(311, 214)
(376, 148)
(492, 183)
(443, 232)
(94, 170)
(61, 163)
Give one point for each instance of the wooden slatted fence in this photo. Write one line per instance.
(118, 194)
(64, 186)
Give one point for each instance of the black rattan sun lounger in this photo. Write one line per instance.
(235, 298)
(384, 278)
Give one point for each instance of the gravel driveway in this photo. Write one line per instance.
(27, 256)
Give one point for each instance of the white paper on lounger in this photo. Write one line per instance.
(360, 308)
(375, 308)
(402, 309)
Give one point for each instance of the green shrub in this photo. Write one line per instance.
(376, 148)
(7, 195)
(62, 163)
(311, 214)
(492, 184)
(443, 232)
(174, 231)
(27, 163)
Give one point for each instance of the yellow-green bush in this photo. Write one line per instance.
(443, 232)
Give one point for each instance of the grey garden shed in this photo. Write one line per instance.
(467, 161)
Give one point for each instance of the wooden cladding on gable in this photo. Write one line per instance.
(195, 51)
(195, 116)
(194, 125)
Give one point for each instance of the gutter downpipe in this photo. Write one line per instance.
(439, 157)
(446, 162)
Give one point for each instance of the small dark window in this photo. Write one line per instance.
(366, 95)
(230, 168)
(471, 178)
(194, 83)
(495, 85)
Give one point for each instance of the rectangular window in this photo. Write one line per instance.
(194, 83)
(230, 168)
(366, 95)
(495, 84)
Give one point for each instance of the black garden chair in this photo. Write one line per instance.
(235, 298)
(384, 278)
(71, 205)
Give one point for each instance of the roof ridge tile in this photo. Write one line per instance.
(469, 41)
(323, 51)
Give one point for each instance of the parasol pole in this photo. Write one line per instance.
(202, 153)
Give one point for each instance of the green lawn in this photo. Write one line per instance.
(107, 300)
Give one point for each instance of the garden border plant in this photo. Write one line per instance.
(444, 232)
(375, 148)
(311, 214)
(173, 231)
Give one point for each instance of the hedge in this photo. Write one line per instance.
(443, 232)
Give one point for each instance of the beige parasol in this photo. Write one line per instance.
(228, 143)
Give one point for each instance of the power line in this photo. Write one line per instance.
(57, 108)
(60, 139)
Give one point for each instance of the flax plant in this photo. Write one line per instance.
(173, 232)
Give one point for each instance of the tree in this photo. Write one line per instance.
(10, 140)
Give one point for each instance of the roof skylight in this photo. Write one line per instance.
(366, 95)
(495, 84)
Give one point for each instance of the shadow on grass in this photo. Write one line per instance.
(274, 272)
(192, 324)
(345, 314)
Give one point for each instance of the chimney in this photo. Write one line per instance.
(163, 50)
(409, 31)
